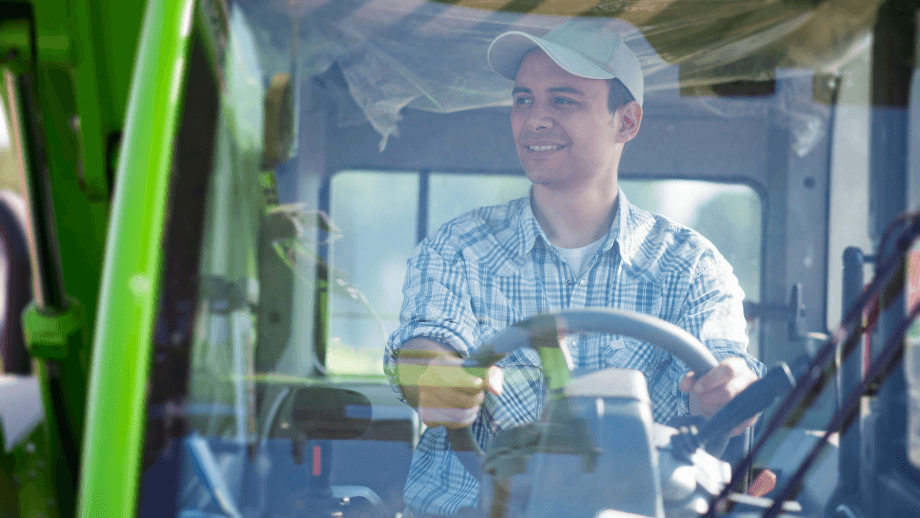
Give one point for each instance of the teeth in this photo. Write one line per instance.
(542, 148)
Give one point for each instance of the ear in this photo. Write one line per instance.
(629, 117)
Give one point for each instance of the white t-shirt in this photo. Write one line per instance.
(578, 258)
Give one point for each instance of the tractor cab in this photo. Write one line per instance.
(315, 144)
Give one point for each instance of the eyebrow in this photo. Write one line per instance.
(556, 89)
(566, 89)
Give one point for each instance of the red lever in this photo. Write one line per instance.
(317, 461)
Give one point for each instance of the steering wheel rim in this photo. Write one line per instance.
(653, 330)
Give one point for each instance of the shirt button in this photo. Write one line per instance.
(568, 281)
(583, 282)
(573, 343)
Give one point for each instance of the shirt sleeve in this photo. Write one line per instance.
(436, 304)
(713, 312)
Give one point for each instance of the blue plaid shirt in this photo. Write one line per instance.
(494, 266)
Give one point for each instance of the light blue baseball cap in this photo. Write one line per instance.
(583, 47)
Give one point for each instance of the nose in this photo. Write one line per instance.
(539, 118)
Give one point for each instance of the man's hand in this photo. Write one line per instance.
(451, 397)
(719, 386)
(443, 393)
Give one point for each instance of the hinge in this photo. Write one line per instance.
(51, 336)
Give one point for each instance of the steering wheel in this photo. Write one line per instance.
(542, 331)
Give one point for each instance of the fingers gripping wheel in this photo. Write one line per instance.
(542, 334)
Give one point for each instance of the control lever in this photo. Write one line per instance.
(778, 381)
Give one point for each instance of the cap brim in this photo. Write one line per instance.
(508, 50)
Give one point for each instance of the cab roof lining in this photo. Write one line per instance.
(430, 55)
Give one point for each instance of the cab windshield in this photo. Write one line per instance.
(350, 133)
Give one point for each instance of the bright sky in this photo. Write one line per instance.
(681, 200)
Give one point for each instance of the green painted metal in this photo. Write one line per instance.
(15, 49)
(104, 47)
(92, 170)
(53, 39)
(48, 336)
(80, 70)
(58, 340)
(33, 477)
(128, 297)
(85, 54)
(58, 46)
(62, 381)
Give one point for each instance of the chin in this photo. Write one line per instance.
(536, 171)
(543, 174)
(545, 181)
(536, 176)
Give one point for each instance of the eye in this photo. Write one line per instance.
(563, 100)
(523, 100)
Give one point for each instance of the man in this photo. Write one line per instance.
(575, 242)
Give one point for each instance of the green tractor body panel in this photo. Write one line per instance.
(80, 58)
(121, 353)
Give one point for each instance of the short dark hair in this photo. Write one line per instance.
(618, 95)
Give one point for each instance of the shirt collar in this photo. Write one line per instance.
(626, 230)
(528, 228)
(621, 229)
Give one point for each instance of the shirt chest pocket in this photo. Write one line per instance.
(638, 295)
(631, 353)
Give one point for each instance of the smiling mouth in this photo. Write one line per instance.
(544, 148)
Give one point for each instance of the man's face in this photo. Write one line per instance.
(565, 135)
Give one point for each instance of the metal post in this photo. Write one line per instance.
(892, 67)
(851, 372)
